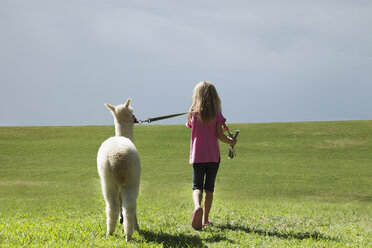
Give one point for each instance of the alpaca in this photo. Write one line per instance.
(119, 168)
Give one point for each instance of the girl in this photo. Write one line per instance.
(207, 124)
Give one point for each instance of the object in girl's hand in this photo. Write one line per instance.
(232, 152)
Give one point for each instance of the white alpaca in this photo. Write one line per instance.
(119, 168)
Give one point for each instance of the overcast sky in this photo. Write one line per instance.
(271, 61)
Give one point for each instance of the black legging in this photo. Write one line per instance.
(209, 170)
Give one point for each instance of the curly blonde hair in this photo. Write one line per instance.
(205, 102)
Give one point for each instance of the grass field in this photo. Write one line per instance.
(291, 185)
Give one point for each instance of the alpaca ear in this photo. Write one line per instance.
(127, 103)
(110, 107)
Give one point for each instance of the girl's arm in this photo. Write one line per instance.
(221, 136)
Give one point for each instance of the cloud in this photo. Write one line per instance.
(278, 61)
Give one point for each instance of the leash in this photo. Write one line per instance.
(149, 120)
(232, 152)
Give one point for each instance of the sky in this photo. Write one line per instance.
(271, 61)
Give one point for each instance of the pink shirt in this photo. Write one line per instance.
(204, 146)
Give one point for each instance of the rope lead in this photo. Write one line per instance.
(231, 154)
(149, 120)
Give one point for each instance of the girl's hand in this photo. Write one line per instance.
(225, 128)
(221, 136)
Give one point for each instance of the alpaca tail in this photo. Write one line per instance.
(120, 178)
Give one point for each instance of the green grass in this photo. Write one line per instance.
(291, 185)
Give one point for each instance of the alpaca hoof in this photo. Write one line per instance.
(109, 233)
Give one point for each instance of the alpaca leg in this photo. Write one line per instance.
(136, 226)
(121, 217)
(129, 195)
(112, 209)
(129, 219)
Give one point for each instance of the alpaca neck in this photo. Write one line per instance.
(124, 130)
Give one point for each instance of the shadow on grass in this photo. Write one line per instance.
(289, 235)
(169, 240)
(179, 239)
